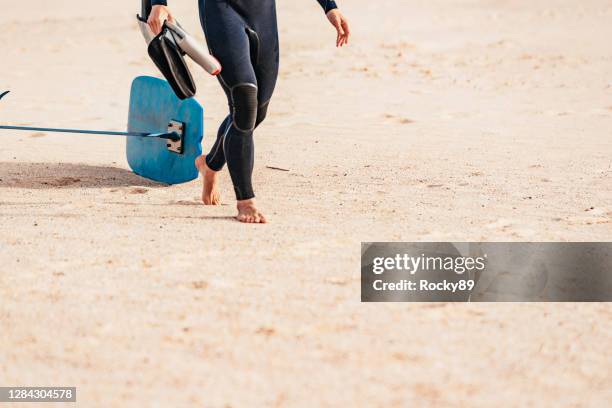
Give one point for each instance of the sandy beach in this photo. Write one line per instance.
(442, 121)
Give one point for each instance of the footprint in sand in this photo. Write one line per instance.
(139, 190)
(63, 182)
(266, 331)
(185, 202)
(199, 285)
(399, 119)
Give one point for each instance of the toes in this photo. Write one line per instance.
(248, 219)
(252, 218)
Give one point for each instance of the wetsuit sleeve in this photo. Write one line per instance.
(326, 4)
(159, 3)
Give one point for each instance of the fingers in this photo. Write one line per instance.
(155, 24)
(347, 30)
(341, 39)
(159, 14)
(338, 26)
(342, 27)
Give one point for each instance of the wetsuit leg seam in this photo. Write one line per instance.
(229, 126)
(250, 33)
(214, 154)
(220, 76)
(226, 137)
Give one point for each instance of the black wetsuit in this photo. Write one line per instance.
(243, 36)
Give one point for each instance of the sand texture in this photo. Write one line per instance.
(443, 120)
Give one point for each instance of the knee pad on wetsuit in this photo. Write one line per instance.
(244, 99)
(261, 113)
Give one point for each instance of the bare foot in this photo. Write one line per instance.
(210, 190)
(249, 214)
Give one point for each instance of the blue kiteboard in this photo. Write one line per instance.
(154, 108)
(164, 134)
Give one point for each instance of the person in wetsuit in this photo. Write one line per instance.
(243, 36)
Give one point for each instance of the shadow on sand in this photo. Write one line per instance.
(62, 175)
